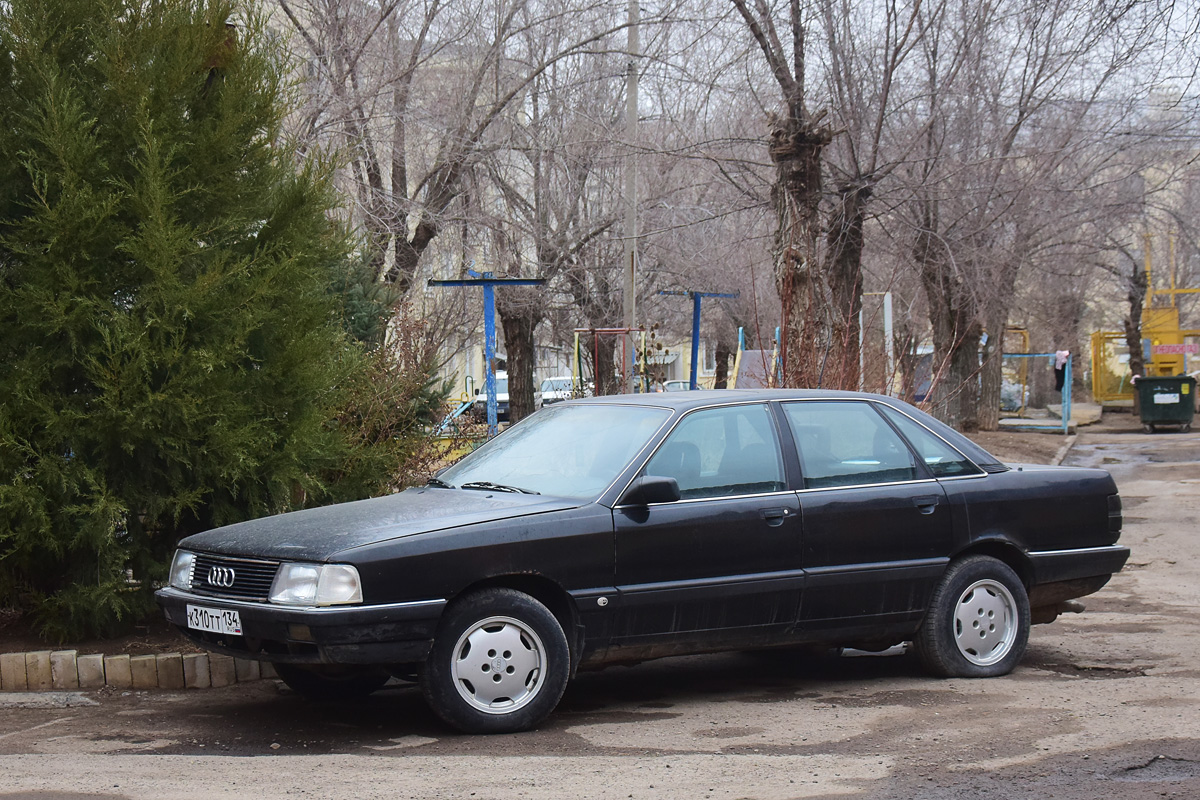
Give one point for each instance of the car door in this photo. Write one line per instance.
(724, 560)
(877, 527)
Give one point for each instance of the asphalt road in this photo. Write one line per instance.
(1106, 703)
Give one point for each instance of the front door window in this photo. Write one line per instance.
(722, 452)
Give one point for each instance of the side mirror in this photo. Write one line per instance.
(649, 489)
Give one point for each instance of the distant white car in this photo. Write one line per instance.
(557, 389)
(479, 409)
(502, 400)
(676, 386)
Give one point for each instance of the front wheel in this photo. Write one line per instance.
(977, 625)
(499, 663)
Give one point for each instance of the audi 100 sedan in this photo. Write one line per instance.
(620, 529)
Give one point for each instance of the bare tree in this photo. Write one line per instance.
(1012, 91)
(411, 90)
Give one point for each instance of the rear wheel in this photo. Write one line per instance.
(332, 683)
(977, 625)
(499, 663)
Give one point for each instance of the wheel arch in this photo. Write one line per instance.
(545, 591)
(1003, 551)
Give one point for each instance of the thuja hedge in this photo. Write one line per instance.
(173, 351)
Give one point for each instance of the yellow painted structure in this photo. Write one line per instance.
(1167, 348)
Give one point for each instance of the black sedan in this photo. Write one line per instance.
(619, 529)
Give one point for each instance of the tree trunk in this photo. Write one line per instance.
(519, 312)
(721, 379)
(956, 331)
(807, 317)
(604, 369)
(1133, 328)
(956, 396)
(1071, 309)
(843, 258)
(991, 379)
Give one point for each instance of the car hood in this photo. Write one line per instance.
(316, 534)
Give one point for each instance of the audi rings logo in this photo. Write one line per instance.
(221, 576)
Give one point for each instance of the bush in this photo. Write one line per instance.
(173, 346)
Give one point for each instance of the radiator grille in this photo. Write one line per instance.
(240, 578)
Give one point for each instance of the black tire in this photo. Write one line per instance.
(332, 683)
(977, 625)
(499, 663)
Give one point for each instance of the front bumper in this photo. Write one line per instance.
(396, 633)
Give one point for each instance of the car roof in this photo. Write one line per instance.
(686, 401)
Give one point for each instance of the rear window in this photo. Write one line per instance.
(981, 457)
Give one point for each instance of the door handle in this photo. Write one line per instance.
(926, 504)
(774, 516)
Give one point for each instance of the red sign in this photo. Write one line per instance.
(1175, 349)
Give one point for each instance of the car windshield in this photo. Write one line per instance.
(572, 451)
(556, 385)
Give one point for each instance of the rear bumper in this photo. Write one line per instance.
(1054, 566)
(397, 633)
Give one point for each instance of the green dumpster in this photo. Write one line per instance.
(1167, 401)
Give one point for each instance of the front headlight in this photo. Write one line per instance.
(316, 585)
(181, 570)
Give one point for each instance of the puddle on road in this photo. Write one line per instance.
(1163, 451)
(1161, 768)
(1092, 671)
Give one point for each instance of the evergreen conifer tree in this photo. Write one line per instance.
(171, 354)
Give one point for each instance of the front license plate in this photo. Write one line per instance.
(214, 620)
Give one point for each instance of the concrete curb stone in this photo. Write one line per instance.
(170, 671)
(117, 672)
(91, 671)
(195, 671)
(222, 670)
(13, 677)
(144, 670)
(1062, 451)
(44, 670)
(64, 669)
(246, 670)
(37, 670)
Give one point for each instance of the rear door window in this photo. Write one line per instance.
(847, 443)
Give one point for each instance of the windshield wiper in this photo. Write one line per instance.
(439, 483)
(498, 487)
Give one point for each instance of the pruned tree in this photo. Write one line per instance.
(815, 328)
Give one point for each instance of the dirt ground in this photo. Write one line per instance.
(1105, 703)
(1015, 447)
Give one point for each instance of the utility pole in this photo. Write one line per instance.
(631, 219)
